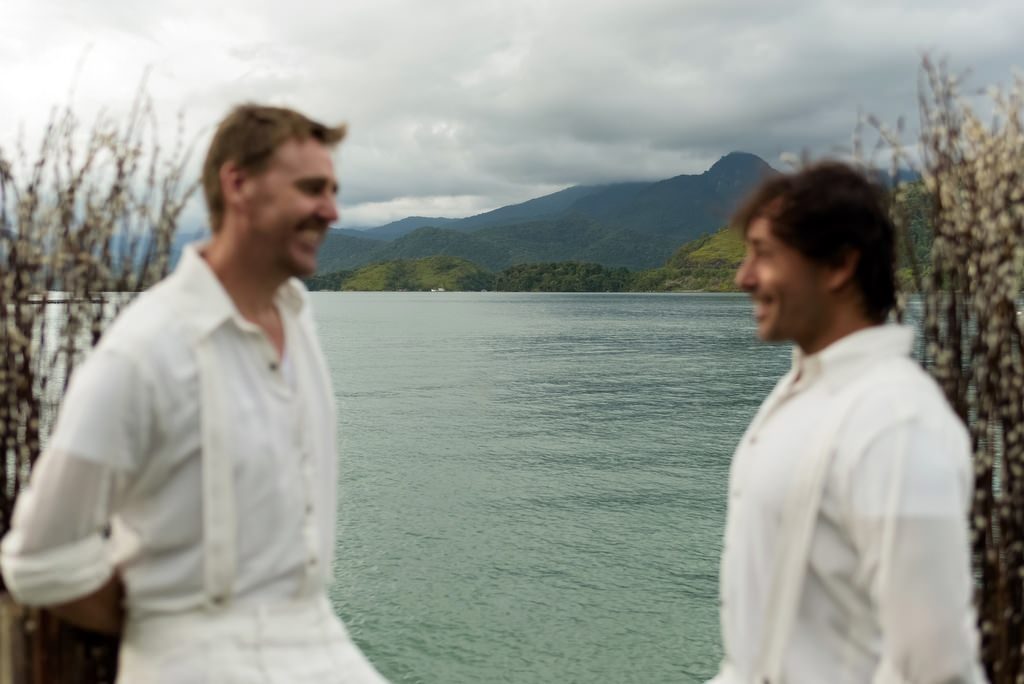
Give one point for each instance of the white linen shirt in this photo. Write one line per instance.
(888, 592)
(126, 451)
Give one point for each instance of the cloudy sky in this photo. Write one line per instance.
(461, 106)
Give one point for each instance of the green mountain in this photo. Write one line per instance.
(341, 251)
(397, 229)
(547, 207)
(360, 234)
(568, 238)
(590, 257)
(706, 264)
(722, 249)
(427, 242)
(454, 274)
(576, 238)
(432, 273)
(686, 207)
(635, 225)
(563, 276)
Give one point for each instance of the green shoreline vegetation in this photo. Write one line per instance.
(706, 264)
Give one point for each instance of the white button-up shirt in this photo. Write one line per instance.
(888, 592)
(126, 454)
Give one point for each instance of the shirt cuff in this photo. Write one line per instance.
(58, 575)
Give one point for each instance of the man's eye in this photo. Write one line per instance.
(312, 187)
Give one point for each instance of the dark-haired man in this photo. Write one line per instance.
(201, 430)
(846, 555)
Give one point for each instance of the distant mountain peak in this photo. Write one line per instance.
(742, 162)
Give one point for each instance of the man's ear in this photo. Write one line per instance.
(232, 184)
(843, 271)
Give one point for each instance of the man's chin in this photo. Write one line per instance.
(301, 269)
(302, 264)
(766, 333)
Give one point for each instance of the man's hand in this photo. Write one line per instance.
(100, 611)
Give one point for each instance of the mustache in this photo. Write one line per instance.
(315, 224)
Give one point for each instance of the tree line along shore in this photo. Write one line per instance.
(707, 264)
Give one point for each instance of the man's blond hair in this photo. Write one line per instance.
(248, 136)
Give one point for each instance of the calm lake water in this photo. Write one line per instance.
(533, 486)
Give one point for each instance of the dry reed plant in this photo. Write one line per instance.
(85, 222)
(973, 327)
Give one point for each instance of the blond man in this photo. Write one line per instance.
(201, 433)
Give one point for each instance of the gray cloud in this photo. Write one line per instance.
(457, 107)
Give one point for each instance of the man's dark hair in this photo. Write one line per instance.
(825, 210)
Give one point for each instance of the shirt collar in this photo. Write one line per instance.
(208, 303)
(853, 354)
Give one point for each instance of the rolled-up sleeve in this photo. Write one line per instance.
(56, 549)
(908, 506)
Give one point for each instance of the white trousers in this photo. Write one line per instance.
(300, 642)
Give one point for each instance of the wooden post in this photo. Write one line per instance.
(13, 646)
(37, 648)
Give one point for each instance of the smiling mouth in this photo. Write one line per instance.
(760, 309)
(312, 233)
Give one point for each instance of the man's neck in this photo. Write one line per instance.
(250, 287)
(845, 323)
(844, 314)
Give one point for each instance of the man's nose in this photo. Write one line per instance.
(329, 209)
(745, 276)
